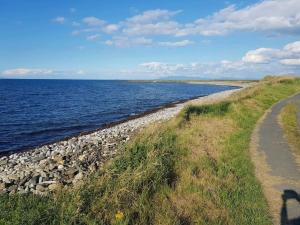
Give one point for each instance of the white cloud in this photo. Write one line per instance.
(255, 64)
(293, 47)
(26, 71)
(261, 55)
(270, 17)
(93, 21)
(152, 29)
(152, 16)
(290, 62)
(111, 28)
(75, 24)
(287, 55)
(59, 19)
(273, 16)
(182, 43)
(125, 42)
(93, 37)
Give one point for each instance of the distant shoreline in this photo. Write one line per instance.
(240, 83)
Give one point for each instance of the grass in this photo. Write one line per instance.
(288, 121)
(194, 169)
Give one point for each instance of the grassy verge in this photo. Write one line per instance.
(194, 169)
(288, 120)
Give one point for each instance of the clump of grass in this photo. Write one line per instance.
(288, 121)
(28, 209)
(194, 169)
(215, 109)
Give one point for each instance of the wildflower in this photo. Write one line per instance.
(119, 215)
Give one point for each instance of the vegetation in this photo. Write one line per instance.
(194, 169)
(288, 120)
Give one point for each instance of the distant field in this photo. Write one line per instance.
(194, 169)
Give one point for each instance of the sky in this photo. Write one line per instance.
(142, 39)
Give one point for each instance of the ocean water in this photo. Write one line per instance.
(36, 112)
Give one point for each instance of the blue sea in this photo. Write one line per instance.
(36, 112)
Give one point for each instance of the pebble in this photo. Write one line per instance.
(46, 168)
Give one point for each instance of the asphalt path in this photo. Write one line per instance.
(281, 161)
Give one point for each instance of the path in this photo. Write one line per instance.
(277, 168)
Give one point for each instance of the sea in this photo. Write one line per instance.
(37, 112)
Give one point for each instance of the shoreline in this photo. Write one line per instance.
(130, 117)
(67, 162)
(106, 125)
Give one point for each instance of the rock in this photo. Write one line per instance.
(12, 188)
(40, 188)
(6, 180)
(3, 162)
(81, 157)
(23, 181)
(71, 172)
(49, 182)
(78, 176)
(48, 167)
(52, 166)
(34, 180)
(60, 167)
(2, 186)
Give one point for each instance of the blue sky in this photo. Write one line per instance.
(142, 39)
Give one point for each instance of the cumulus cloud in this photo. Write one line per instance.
(125, 42)
(93, 37)
(110, 28)
(152, 16)
(293, 47)
(261, 55)
(93, 21)
(26, 71)
(182, 43)
(288, 55)
(290, 62)
(152, 29)
(273, 16)
(59, 19)
(255, 63)
(267, 16)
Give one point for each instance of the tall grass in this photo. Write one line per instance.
(194, 169)
(289, 123)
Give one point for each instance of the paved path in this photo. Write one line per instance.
(282, 166)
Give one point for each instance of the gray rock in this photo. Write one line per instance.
(40, 188)
(34, 180)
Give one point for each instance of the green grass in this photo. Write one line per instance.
(194, 169)
(288, 120)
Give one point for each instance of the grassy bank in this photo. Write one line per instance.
(288, 121)
(194, 169)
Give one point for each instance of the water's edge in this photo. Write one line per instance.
(115, 123)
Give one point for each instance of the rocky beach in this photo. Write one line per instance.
(65, 163)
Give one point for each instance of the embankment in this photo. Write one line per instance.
(193, 169)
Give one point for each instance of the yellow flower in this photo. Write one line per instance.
(119, 215)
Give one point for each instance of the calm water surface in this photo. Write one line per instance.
(35, 112)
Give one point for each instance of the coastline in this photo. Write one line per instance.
(68, 161)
